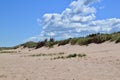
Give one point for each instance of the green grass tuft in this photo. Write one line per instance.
(70, 56)
(8, 51)
(30, 44)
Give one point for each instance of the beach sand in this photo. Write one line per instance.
(102, 62)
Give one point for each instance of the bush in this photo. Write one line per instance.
(29, 44)
(45, 40)
(73, 41)
(52, 40)
(83, 41)
(115, 36)
(63, 42)
(40, 44)
(71, 55)
(97, 39)
(49, 44)
(81, 55)
(118, 40)
(106, 37)
(93, 35)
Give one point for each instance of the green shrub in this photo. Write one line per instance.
(40, 44)
(81, 55)
(29, 44)
(73, 41)
(83, 41)
(15, 47)
(52, 40)
(118, 40)
(49, 44)
(93, 35)
(115, 36)
(71, 56)
(97, 39)
(63, 42)
(51, 54)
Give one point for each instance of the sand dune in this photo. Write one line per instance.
(102, 62)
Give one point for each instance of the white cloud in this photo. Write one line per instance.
(108, 25)
(75, 21)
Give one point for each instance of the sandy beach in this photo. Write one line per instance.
(102, 62)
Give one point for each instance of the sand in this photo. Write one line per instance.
(102, 62)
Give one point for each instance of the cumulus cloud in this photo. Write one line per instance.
(75, 21)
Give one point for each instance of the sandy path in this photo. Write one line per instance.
(101, 63)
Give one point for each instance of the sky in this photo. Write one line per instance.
(34, 20)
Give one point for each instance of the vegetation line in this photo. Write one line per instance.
(92, 38)
(69, 56)
(51, 54)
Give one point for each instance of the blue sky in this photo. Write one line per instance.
(20, 20)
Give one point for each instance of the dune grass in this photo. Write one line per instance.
(29, 44)
(92, 38)
(70, 56)
(60, 55)
(8, 51)
(51, 54)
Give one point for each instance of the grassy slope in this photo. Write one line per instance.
(29, 44)
(92, 38)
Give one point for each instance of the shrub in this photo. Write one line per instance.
(93, 35)
(51, 54)
(71, 55)
(63, 42)
(97, 39)
(106, 37)
(45, 40)
(29, 44)
(83, 41)
(73, 41)
(118, 40)
(81, 55)
(40, 44)
(15, 47)
(52, 40)
(115, 36)
(49, 44)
